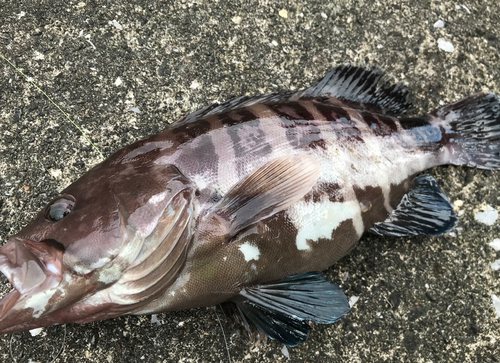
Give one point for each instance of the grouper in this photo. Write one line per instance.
(244, 203)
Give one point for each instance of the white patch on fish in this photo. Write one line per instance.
(250, 252)
(319, 220)
(157, 198)
(39, 301)
(52, 268)
(200, 181)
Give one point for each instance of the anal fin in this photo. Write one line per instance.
(281, 309)
(424, 210)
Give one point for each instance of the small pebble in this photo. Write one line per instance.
(283, 13)
(285, 352)
(236, 20)
(496, 265)
(35, 332)
(353, 300)
(489, 216)
(495, 244)
(116, 24)
(439, 24)
(445, 45)
(496, 304)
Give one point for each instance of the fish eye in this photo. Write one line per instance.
(59, 208)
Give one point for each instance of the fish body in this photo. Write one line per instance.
(241, 203)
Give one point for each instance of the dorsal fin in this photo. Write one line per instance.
(235, 103)
(360, 85)
(346, 82)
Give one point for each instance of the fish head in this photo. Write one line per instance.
(98, 232)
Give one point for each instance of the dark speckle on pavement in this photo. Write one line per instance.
(421, 299)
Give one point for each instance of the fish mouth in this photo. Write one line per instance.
(30, 267)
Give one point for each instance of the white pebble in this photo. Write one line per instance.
(35, 332)
(496, 265)
(488, 217)
(116, 24)
(285, 352)
(135, 109)
(496, 304)
(439, 24)
(118, 81)
(353, 300)
(194, 85)
(445, 45)
(154, 319)
(324, 16)
(495, 244)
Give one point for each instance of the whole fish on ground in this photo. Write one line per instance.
(243, 203)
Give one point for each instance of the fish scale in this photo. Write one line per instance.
(242, 203)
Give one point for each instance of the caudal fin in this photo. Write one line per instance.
(472, 130)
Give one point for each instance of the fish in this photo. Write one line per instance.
(244, 204)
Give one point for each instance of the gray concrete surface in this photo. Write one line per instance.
(421, 299)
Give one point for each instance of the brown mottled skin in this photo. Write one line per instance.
(147, 233)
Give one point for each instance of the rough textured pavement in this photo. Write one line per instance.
(421, 299)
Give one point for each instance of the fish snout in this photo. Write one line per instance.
(27, 264)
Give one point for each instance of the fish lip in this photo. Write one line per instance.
(29, 267)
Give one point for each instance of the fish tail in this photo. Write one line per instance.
(471, 130)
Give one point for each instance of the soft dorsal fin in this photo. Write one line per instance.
(281, 309)
(268, 190)
(424, 210)
(360, 85)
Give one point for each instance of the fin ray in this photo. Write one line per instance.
(363, 86)
(269, 190)
(424, 210)
(281, 309)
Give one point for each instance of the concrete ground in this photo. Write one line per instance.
(421, 299)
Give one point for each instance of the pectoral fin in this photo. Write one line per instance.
(269, 190)
(424, 210)
(281, 310)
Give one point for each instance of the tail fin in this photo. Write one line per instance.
(472, 130)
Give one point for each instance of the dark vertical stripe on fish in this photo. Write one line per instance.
(376, 125)
(389, 121)
(330, 112)
(292, 111)
(200, 157)
(323, 191)
(300, 125)
(188, 131)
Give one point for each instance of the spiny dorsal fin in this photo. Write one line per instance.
(359, 85)
(240, 102)
(424, 210)
(268, 190)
